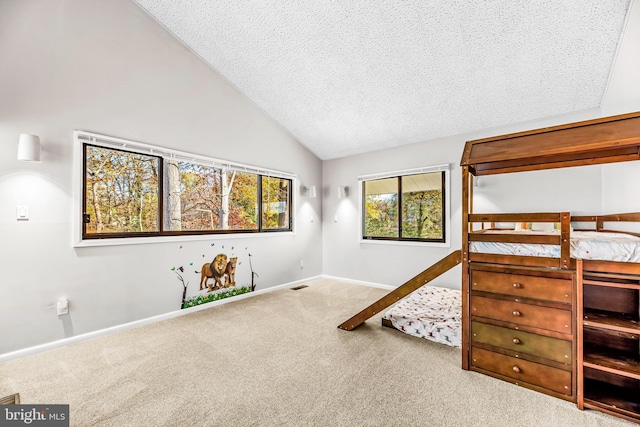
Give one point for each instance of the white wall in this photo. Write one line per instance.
(623, 90)
(621, 179)
(107, 67)
(584, 190)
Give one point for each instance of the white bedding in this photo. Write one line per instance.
(431, 312)
(584, 245)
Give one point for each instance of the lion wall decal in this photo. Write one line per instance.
(219, 269)
(214, 270)
(230, 272)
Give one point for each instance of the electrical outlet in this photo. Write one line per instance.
(22, 213)
(301, 264)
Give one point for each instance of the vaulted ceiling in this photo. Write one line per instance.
(351, 76)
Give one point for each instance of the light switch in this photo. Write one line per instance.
(22, 213)
(62, 307)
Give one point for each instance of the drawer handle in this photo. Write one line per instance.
(517, 285)
(516, 369)
(516, 340)
(516, 313)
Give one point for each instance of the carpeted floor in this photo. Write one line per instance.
(278, 359)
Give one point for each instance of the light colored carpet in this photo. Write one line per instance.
(278, 359)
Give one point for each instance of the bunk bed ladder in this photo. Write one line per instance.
(442, 266)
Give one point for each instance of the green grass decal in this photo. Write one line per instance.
(215, 296)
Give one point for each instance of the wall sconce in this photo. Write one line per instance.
(29, 148)
(309, 191)
(343, 192)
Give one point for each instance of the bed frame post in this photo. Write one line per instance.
(578, 336)
(467, 198)
(565, 240)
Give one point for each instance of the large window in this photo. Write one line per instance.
(409, 206)
(132, 194)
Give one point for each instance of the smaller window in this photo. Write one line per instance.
(121, 192)
(422, 206)
(405, 207)
(381, 208)
(276, 203)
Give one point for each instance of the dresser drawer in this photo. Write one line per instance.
(546, 288)
(523, 342)
(550, 378)
(552, 319)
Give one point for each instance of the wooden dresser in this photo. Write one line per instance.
(522, 327)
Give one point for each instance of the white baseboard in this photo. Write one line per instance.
(360, 282)
(135, 324)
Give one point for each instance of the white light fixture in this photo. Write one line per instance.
(343, 192)
(310, 191)
(29, 148)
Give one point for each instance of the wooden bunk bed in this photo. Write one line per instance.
(549, 318)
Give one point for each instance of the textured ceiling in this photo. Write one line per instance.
(346, 77)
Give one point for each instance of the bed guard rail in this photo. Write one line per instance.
(477, 232)
(600, 220)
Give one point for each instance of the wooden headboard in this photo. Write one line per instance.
(605, 140)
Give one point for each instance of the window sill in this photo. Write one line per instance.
(405, 243)
(171, 239)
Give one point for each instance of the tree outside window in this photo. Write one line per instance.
(122, 191)
(127, 193)
(204, 197)
(423, 206)
(381, 208)
(275, 203)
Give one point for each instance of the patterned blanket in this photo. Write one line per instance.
(430, 312)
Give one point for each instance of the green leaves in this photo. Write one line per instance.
(215, 296)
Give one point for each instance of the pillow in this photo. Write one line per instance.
(523, 226)
(542, 226)
(556, 226)
(539, 226)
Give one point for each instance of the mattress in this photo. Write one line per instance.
(590, 245)
(430, 312)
